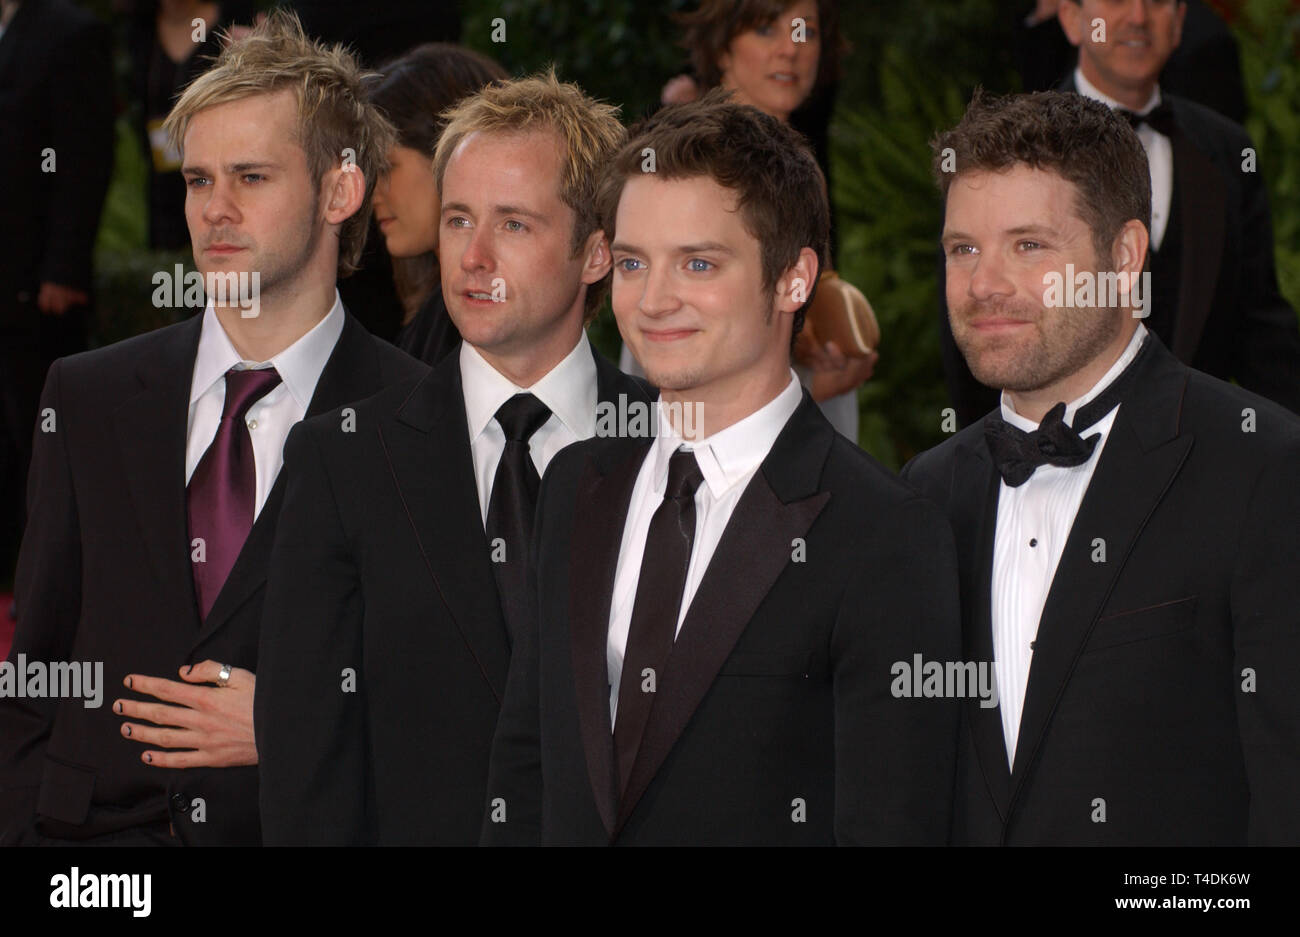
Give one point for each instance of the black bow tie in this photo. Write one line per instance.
(1160, 119)
(1017, 454)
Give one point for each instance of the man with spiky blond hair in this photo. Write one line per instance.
(155, 486)
(400, 570)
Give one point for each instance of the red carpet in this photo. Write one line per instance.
(6, 624)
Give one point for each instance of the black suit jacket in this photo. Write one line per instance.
(1136, 692)
(776, 698)
(56, 91)
(1231, 320)
(384, 649)
(104, 575)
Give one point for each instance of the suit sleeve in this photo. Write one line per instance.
(1266, 637)
(309, 710)
(48, 593)
(896, 757)
(1267, 352)
(515, 768)
(81, 96)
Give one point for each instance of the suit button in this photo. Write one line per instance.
(179, 803)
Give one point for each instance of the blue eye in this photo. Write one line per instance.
(194, 181)
(707, 266)
(519, 225)
(623, 264)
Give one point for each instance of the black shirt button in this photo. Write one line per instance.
(180, 803)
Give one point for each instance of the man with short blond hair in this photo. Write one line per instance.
(399, 576)
(156, 482)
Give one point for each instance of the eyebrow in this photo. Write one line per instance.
(950, 236)
(495, 210)
(232, 168)
(707, 247)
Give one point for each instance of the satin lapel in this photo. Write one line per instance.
(427, 448)
(975, 489)
(601, 504)
(1142, 455)
(1202, 201)
(151, 430)
(350, 373)
(780, 504)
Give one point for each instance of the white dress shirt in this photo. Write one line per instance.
(569, 389)
(1160, 157)
(270, 418)
(727, 460)
(1034, 521)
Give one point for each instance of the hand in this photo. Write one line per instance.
(215, 721)
(833, 372)
(55, 299)
(681, 89)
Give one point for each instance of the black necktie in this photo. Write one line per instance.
(513, 502)
(1017, 454)
(1160, 119)
(658, 604)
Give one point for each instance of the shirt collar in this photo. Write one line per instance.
(729, 456)
(568, 389)
(1089, 90)
(1123, 361)
(300, 365)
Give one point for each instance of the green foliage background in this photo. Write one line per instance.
(911, 68)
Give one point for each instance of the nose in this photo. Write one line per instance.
(380, 198)
(478, 255)
(220, 207)
(658, 297)
(988, 278)
(1138, 12)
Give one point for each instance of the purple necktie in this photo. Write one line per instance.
(222, 493)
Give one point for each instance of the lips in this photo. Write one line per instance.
(224, 248)
(666, 335)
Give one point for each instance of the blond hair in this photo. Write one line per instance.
(588, 131)
(336, 122)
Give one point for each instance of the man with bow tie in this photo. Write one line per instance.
(1217, 305)
(1126, 526)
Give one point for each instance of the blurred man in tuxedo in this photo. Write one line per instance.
(56, 156)
(399, 573)
(721, 605)
(1126, 525)
(1217, 305)
(156, 487)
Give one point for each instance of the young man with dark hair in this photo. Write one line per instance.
(1216, 303)
(723, 608)
(1126, 525)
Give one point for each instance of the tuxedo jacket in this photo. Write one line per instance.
(1230, 319)
(1162, 693)
(104, 574)
(384, 649)
(773, 721)
(56, 92)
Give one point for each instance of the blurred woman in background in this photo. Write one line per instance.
(781, 57)
(413, 91)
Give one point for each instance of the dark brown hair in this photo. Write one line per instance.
(710, 29)
(415, 88)
(1079, 139)
(780, 188)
